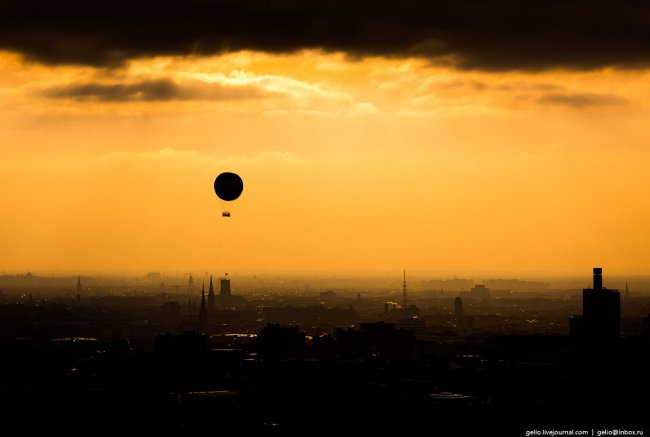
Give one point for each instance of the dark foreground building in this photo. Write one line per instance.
(601, 312)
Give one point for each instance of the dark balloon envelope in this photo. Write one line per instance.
(228, 186)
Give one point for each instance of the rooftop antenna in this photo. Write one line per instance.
(404, 289)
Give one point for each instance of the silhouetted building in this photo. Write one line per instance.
(577, 326)
(211, 301)
(81, 347)
(153, 276)
(376, 339)
(277, 343)
(170, 309)
(203, 314)
(78, 285)
(466, 325)
(645, 326)
(327, 295)
(480, 291)
(170, 312)
(458, 309)
(225, 297)
(486, 320)
(324, 347)
(389, 306)
(187, 347)
(311, 315)
(225, 287)
(601, 312)
(415, 323)
(399, 313)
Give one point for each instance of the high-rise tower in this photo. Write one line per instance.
(458, 310)
(225, 286)
(601, 312)
(601, 309)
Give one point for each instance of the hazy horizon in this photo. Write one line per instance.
(195, 272)
(415, 280)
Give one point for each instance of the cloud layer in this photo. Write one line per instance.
(582, 100)
(152, 90)
(471, 34)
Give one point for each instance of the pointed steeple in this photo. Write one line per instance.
(203, 313)
(211, 299)
(78, 284)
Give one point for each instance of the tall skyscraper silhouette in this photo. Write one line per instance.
(601, 312)
(225, 286)
(458, 310)
(601, 309)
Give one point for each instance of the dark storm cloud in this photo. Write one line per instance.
(479, 34)
(582, 100)
(151, 90)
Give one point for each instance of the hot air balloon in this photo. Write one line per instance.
(228, 187)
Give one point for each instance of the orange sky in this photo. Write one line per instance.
(366, 165)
